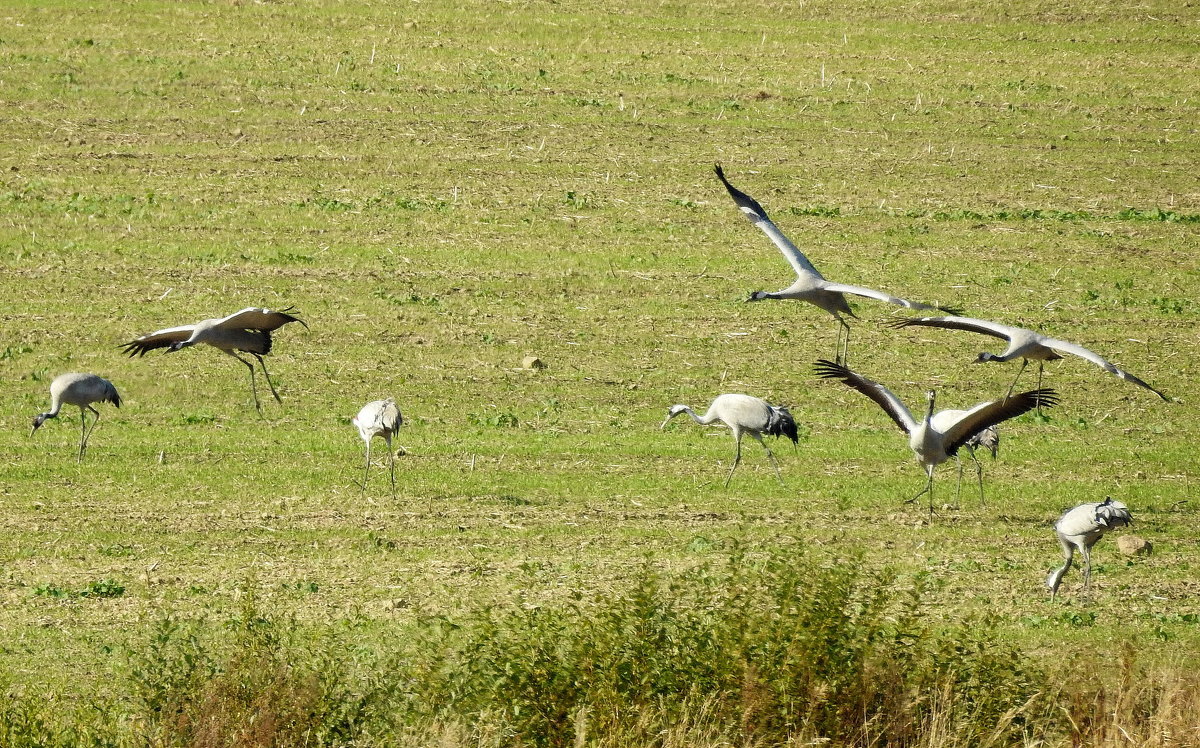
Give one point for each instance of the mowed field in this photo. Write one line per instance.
(442, 191)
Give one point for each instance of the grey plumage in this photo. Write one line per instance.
(1024, 344)
(379, 418)
(937, 436)
(248, 331)
(81, 390)
(810, 285)
(1079, 529)
(745, 414)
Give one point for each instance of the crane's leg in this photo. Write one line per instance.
(1087, 568)
(391, 463)
(267, 374)
(366, 469)
(253, 386)
(1024, 363)
(842, 349)
(958, 486)
(1039, 385)
(770, 456)
(87, 433)
(927, 489)
(978, 475)
(737, 456)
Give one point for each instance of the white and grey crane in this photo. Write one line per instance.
(1079, 529)
(744, 414)
(379, 418)
(1024, 344)
(82, 390)
(937, 437)
(810, 285)
(248, 331)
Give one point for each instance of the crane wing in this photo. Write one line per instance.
(871, 293)
(758, 217)
(989, 414)
(1063, 346)
(253, 318)
(159, 339)
(983, 327)
(882, 396)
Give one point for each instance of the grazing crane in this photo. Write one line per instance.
(248, 331)
(1080, 528)
(810, 285)
(937, 436)
(1024, 344)
(81, 390)
(379, 418)
(744, 414)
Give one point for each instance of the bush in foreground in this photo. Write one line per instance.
(759, 650)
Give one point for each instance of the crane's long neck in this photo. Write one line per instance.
(703, 420)
(55, 407)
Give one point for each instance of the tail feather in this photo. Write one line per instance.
(781, 423)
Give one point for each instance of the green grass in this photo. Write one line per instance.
(441, 192)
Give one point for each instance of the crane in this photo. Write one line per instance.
(248, 331)
(1079, 529)
(1024, 344)
(744, 414)
(81, 390)
(937, 436)
(379, 418)
(810, 285)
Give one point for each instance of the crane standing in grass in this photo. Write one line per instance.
(937, 436)
(744, 414)
(810, 285)
(1079, 529)
(81, 390)
(379, 418)
(248, 331)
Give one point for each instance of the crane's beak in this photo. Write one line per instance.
(665, 422)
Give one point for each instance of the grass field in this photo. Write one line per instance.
(441, 192)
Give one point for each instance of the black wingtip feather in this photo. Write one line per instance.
(741, 198)
(827, 369)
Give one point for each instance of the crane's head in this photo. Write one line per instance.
(758, 296)
(984, 357)
(38, 420)
(179, 346)
(930, 400)
(674, 411)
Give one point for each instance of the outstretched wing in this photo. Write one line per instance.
(1063, 346)
(981, 326)
(986, 415)
(758, 217)
(882, 396)
(252, 318)
(871, 293)
(158, 339)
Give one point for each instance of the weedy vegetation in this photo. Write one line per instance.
(442, 191)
